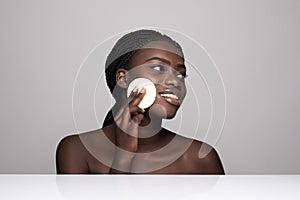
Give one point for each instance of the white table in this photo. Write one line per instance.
(149, 187)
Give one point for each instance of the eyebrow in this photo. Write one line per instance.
(165, 61)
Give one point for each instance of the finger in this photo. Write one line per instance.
(131, 108)
(125, 117)
(120, 113)
(137, 119)
(136, 109)
(124, 114)
(126, 104)
(138, 98)
(129, 126)
(133, 93)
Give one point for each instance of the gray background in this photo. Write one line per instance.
(254, 43)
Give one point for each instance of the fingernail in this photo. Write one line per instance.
(135, 89)
(143, 90)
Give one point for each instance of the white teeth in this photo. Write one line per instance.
(170, 95)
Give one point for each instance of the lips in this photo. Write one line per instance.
(170, 97)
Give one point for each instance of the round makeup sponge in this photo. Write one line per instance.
(150, 95)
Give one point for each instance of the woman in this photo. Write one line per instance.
(132, 139)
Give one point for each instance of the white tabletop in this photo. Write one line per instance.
(149, 187)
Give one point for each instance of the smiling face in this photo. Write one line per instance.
(162, 63)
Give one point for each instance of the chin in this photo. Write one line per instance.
(170, 113)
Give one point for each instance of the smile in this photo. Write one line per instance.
(170, 97)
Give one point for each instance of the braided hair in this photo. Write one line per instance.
(123, 51)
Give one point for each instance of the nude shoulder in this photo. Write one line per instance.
(77, 141)
(69, 142)
(80, 153)
(202, 158)
(70, 156)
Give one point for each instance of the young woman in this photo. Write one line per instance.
(132, 139)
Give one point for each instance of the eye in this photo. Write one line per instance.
(181, 76)
(159, 68)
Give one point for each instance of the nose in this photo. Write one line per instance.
(171, 79)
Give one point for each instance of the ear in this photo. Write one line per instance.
(121, 78)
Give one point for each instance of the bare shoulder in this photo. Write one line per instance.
(69, 143)
(70, 155)
(78, 143)
(199, 157)
(77, 153)
(203, 158)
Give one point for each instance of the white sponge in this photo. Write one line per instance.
(150, 95)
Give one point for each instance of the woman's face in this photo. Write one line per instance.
(162, 63)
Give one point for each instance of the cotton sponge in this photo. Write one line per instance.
(150, 95)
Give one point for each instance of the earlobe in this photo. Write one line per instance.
(121, 78)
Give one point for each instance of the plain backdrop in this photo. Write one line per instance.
(255, 44)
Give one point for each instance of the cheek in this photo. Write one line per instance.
(155, 79)
(183, 92)
(140, 73)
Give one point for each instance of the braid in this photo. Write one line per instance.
(122, 52)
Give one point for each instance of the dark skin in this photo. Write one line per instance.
(137, 130)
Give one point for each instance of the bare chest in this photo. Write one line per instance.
(143, 163)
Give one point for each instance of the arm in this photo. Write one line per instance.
(126, 133)
(70, 156)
